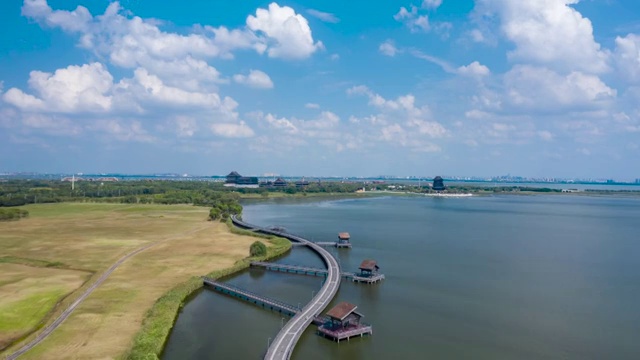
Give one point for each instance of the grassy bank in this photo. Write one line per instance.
(60, 239)
(150, 341)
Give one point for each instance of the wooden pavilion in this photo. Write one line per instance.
(343, 240)
(343, 322)
(368, 273)
(368, 268)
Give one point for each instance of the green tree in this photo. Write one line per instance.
(214, 213)
(258, 249)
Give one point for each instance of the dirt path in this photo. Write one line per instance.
(58, 321)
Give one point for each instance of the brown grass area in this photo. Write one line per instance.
(104, 325)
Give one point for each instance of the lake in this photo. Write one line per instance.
(496, 277)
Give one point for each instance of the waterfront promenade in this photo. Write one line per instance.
(283, 344)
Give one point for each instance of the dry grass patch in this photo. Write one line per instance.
(104, 325)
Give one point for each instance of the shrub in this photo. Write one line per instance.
(258, 249)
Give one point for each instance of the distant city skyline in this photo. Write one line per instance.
(427, 177)
(547, 88)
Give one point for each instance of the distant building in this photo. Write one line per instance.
(277, 183)
(280, 182)
(438, 184)
(637, 181)
(236, 180)
(302, 183)
(233, 177)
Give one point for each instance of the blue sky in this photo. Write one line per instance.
(321, 88)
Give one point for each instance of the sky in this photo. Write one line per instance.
(541, 88)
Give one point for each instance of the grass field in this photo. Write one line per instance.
(28, 293)
(68, 240)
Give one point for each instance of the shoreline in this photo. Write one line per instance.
(157, 325)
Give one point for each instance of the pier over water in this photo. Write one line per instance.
(283, 344)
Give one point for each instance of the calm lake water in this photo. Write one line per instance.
(500, 277)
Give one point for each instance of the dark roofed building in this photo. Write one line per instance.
(342, 311)
(438, 184)
(343, 240)
(280, 182)
(233, 177)
(343, 322)
(368, 272)
(368, 267)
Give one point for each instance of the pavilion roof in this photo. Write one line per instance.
(369, 264)
(342, 310)
(344, 236)
(233, 173)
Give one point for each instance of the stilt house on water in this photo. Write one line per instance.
(368, 268)
(368, 272)
(344, 322)
(343, 240)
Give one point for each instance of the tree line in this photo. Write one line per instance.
(204, 193)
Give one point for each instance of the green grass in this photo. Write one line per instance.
(26, 313)
(28, 294)
(156, 327)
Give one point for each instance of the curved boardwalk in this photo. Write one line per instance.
(282, 346)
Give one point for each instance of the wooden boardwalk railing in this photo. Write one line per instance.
(283, 344)
(251, 297)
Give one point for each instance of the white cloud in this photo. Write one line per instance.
(76, 20)
(132, 42)
(149, 92)
(627, 57)
(312, 106)
(541, 89)
(289, 32)
(431, 4)
(435, 60)
(415, 22)
(474, 69)
(229, 130)
(83, 88)
(401, 111)
(185, 126)
(477, 36)
(324, 16)
(318, 127)
(256, 79)
(280, 123)
(388, 48)
(123, 131)
(548, 32)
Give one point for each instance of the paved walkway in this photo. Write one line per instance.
(282, 346)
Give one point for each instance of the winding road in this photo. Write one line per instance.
(282, 346)
(65, 314)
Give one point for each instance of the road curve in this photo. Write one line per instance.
(282, 346)
(65, 314)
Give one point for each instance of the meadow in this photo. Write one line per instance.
(49, 258)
